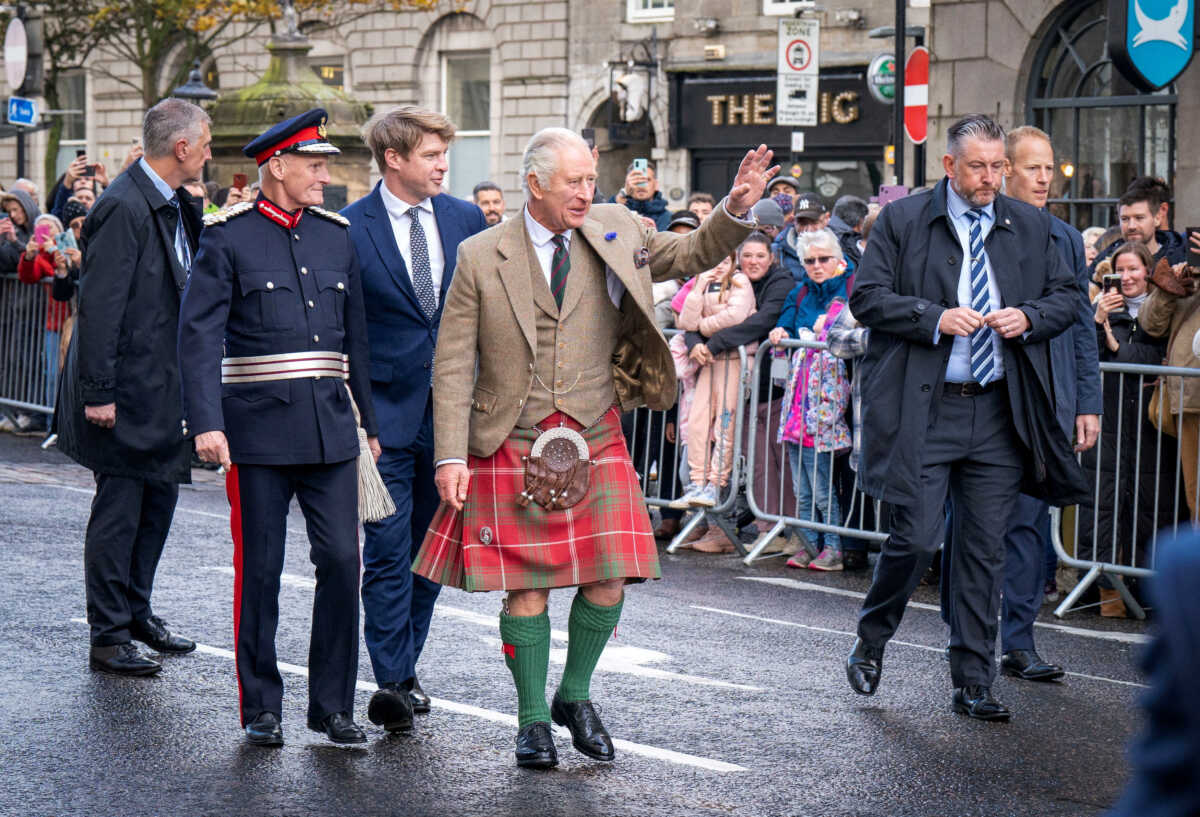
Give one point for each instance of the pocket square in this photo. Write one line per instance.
(641, 258)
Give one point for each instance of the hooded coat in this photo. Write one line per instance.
(11, 250)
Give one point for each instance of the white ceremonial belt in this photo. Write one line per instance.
(287, 366)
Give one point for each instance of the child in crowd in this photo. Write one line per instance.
(719, 298)
(813, 427)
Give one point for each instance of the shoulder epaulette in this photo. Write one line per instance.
(336, 218)
(226, 213)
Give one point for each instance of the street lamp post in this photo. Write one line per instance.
(918, 35)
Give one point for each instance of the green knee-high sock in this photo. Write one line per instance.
(588, 629)
(527, 654)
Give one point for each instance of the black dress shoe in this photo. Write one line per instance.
(587, 732)
(339, 727)
(122, 659)
(976, 701)
(1029, 666)
(864, 665)
(391, 708)
(535, 747)
(418, 698)
(854, 560)
(154, 634)
(265, 730)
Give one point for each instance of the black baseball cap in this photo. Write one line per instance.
(809, 205)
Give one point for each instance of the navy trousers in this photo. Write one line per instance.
(1025, 568)
(398, 604)
(124, 540)
(259, 496)
(973, 455)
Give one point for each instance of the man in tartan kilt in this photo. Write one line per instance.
(548, 332)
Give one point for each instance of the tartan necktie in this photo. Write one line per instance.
(560, 266)
(422, 276)
(983, 363)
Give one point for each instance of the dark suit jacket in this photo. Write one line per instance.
(1074, 359)
(402, 339)
(1165, 758)
(908, 278)
(123, 347)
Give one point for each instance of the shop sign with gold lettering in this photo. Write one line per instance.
(716, 111)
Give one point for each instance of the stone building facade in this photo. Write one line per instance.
(690, 85)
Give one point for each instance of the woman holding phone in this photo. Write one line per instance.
(1119, 520)
(36, 266)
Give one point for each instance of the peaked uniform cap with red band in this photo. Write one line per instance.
(300, 134)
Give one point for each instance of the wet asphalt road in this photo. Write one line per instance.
(726, 682)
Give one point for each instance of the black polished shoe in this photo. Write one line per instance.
(1029, 666)
(535, 747)
(391, 708)
(265, 730)
(976, 701)
(339, 727)
(864, 665)
(154, 634)
(122, 659)
(418, 698)
(587, 732)
(854, 560)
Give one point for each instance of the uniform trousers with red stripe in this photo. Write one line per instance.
(259, 496)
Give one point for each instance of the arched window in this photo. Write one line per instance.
(1105, 132)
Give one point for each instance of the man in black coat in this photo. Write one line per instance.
(962, 288)
(120, 410)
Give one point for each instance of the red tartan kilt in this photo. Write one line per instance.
(494, 544)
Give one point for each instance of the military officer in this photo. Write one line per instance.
(271, 331)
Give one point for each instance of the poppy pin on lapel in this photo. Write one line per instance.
(641, 258)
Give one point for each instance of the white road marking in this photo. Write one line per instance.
(641, 749)
(926, 647)
(617, 657)
(1124, 638)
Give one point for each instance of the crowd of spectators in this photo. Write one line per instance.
(800, 268)
(790, 280)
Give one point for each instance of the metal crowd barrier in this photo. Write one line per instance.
(771, 490)
(1138, 486)
(24, 384)
(663, 469)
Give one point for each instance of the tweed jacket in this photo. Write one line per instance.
(488, 350)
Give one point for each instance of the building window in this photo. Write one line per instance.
(786, 8)
(466, 99)
(72, 96)
(650, 11)
(330, 73)
(1105, 132)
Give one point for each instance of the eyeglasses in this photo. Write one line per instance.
(818, 259)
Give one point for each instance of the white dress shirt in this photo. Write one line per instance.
(397, 211)
(543, 242)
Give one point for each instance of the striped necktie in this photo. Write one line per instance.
(983, 359)
(560, 266)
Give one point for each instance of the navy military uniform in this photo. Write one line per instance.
(271, 330)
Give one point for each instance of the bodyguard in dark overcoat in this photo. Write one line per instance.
(962, 288)
(119, 408)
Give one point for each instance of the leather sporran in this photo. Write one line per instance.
(557, 470)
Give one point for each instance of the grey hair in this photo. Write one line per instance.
(823, 238)
(972, 126)
(851, 210)
(542, 154)
(168, 122)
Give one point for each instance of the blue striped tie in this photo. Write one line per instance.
(983, 360)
